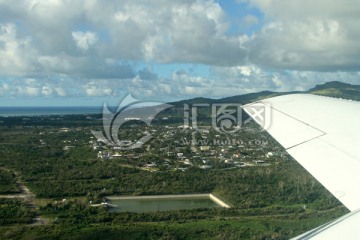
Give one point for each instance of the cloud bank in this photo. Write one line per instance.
(89, 48)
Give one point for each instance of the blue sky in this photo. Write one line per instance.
(236, 12)
(62, 52)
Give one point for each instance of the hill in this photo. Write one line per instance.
(337, 89)
(331, 89)
(243, 99)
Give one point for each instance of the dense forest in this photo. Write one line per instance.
(269, 202)
(8, 182)
(15, 211)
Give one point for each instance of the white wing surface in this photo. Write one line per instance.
(323, 135)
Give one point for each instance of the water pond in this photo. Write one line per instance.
(160, 204)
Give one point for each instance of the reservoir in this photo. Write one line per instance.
(160, 203)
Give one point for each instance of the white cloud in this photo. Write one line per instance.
(64, 48)
(4, 88)
(15, 52)
(96, 92)
(293, 9)
(251, 78)
(93, 89)
(163, 31)
(54, 64)
(84, 40)
(308, 35)
(46, 91)
(44, 35)
(308, 45)
(224, 81)
(28, 91)
(251, 20)
(60, 92)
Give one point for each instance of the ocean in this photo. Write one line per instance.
(41, 111)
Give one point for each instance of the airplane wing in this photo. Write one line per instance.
(323, 135)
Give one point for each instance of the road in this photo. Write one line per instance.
(26, 195)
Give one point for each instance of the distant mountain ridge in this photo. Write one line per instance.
(331, 89)
(338, 90)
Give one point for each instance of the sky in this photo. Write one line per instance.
(85, 53)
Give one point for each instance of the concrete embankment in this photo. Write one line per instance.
(206, 195)
(103, 205)
(158, 196)
(219, 201)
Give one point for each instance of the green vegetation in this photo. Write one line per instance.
(91, 223)
(8, 182)
(52, 172)
(59, 160)
(337, 90)
(13, 211)
(275, 201)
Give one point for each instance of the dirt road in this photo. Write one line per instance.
(26, 195)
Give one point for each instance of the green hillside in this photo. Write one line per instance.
(331, 89)
(338, 90)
